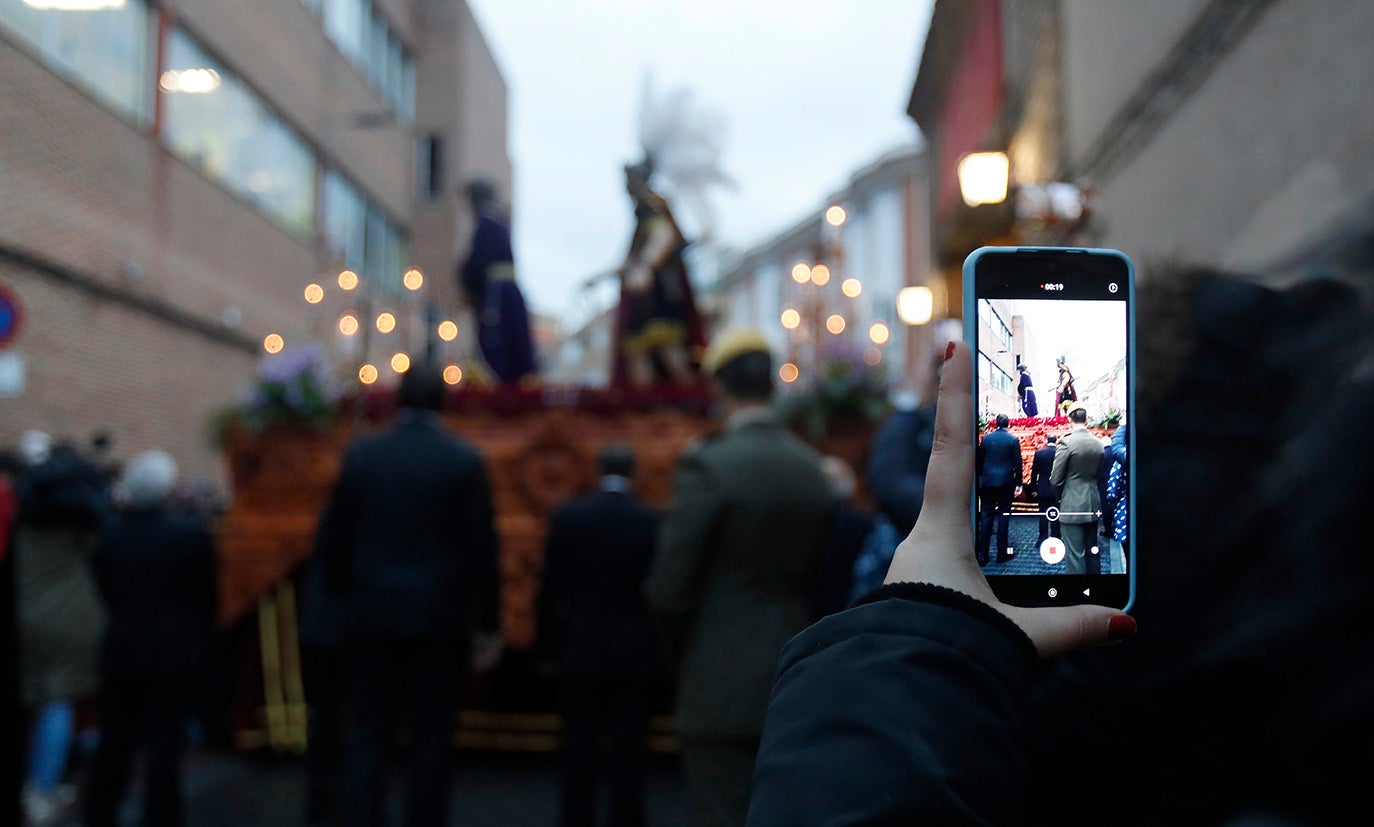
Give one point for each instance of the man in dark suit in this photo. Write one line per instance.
(591, 603)
(1077, 465)
(1045, 496)
(740, 550)
(409, 552)
(999, 475)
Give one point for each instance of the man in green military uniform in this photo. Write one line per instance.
(740, 551)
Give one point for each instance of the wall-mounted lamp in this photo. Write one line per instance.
(915, 305)
(983, 177)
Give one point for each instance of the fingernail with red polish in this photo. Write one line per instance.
(949, 351)
(1120, 627)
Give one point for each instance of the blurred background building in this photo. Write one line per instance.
(838, 272)
(1212, 132)
(175, 175)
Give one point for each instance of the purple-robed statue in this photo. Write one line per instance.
(487, 278)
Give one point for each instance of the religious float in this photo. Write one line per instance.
(539, 444)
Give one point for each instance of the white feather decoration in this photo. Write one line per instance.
(684, 143)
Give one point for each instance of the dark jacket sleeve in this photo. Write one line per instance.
(896, 468)
(551, 588)
(483, 551)
(207, 577)
(333, 533)
(906, 709)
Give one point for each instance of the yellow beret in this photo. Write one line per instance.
(731, 345)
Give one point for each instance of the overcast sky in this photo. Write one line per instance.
(1090, 335)
(809, 91)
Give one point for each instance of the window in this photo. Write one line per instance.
(104, 50)
(429, 167)
(344, 220)
(343, 22)
(216, 123)
(768, 284)
(360, 236)
(363, 35)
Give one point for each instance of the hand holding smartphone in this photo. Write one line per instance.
(1052, 332)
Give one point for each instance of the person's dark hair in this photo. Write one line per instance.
(1078, 416)
(422, 388)
(480, 191)
(747, 377)
(616, 458)
(1051, 439)
(1003, 420)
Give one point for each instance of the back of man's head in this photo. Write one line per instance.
(747, 378)
(422, 388)
(616, 459)
(1051, 439)
(1078, 416)
(1003, 420)
(740, 362)
(480, 191)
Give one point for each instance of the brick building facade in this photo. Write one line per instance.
(153, 247)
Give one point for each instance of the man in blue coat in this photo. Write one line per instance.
(999, 475)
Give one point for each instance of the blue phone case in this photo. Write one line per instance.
(970, 332)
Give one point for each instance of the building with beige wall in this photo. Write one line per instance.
(174, 174)
(1213, 132)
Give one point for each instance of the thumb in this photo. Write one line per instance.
(1060, 629)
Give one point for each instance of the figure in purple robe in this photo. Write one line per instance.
(487, 278)
(1026, 391)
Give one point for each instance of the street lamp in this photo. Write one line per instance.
(915, 305)
(983, 177)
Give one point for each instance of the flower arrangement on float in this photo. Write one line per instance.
(293, 387)
(840, 388)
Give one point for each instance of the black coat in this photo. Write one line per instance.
(902, 710)
(592, 610)
(1042, 464)
(156, 570)
(407, 538)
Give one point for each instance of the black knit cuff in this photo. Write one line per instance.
(949, 598)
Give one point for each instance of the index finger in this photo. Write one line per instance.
(949, 477)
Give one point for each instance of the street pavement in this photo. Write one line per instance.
(225, 789)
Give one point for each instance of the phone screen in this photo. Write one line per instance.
(1052, 333)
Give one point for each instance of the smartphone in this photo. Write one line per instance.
(1052, 330)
